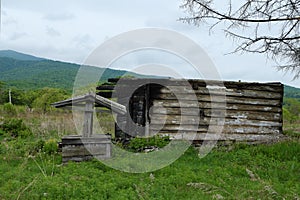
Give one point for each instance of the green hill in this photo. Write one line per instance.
(26, 72)
(291, 92)
(18, 56)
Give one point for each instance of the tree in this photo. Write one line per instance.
(2, 92)
(16, 95)
(292, 105)
(272, 26)
(48, 96)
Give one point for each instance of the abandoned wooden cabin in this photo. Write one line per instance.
(250, 111)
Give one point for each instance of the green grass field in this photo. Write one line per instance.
(31, 168)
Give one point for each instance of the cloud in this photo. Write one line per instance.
(59, 16)
(16, 35)
(52, 32)
(83, 41)
(9, 21)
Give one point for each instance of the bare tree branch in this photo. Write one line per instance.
(273, 26)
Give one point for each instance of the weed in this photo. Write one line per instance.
(50, 146)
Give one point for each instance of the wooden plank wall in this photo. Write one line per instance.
(252, 111)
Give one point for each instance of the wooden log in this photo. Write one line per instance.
(272, 87)
(227, 137)
(226, 129)
(116, 107)
(217, 99)
(228, 92)
(188, 120)
(174, 104)
(232, 114)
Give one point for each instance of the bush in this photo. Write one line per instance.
(35, 146)
(139, 144)
(15, 127)
(9, 109)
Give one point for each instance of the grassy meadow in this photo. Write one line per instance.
(31, 167)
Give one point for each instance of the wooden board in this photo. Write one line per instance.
(228, 92)
(272, 87)
(232, 114)
(178, 119)
(226, 129)
(174, 104)
(218, 99)
(227, 137)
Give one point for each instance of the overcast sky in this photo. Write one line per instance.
(69, 30)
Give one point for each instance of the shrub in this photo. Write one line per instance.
(2, 132)
(139, 144)
(15, 127)
(2, 149)
(9, 109)
(36, 146)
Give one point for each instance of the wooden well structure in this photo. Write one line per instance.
(251, 111)
(89, 144)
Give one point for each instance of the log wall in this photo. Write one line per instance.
(250, 111)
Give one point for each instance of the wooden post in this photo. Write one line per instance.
(88, 119)
(9, 96)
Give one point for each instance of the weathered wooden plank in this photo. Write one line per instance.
(226, 129)
(79, 140)
(228, 92)
(234, 114)
(273, 87)
(227, 137)
(173, 128)
(176, 119)
(189, 120)
(116, 107)
(174, 104)
(75, 100)
(127, 91)
(250, 115)
(88, 119)
(84, 150)
(218, 99)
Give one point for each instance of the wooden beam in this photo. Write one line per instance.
(114, 106)
(88, 119)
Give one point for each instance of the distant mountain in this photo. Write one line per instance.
(291, 92)
(18, 56)
(28, 72)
